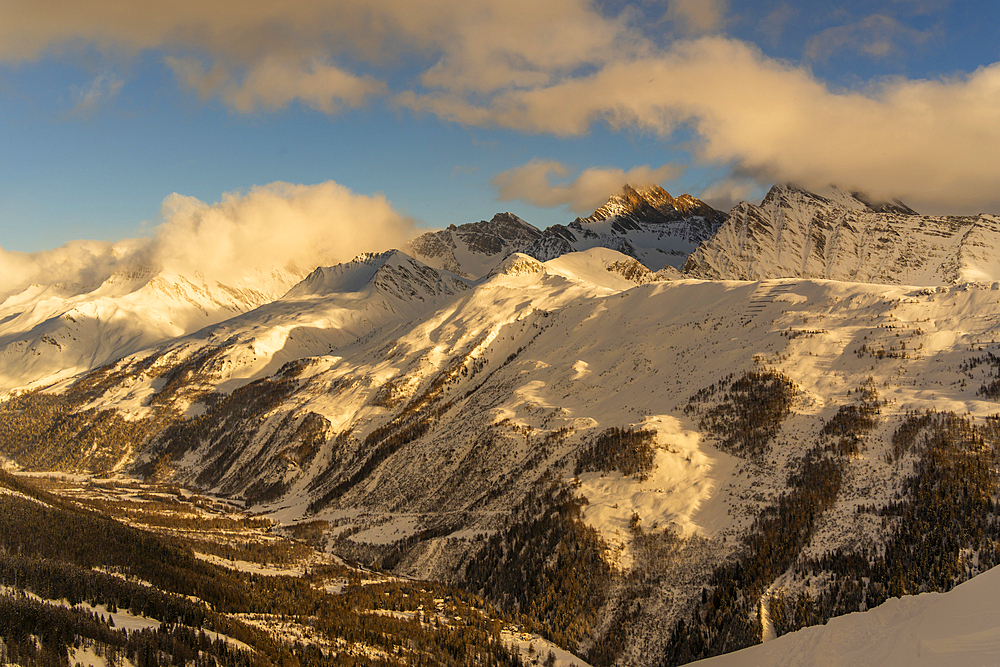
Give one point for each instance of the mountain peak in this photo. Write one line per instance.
(508, 218)
(473, 249)
(644, 222)
(894, 206)
(352, 276)
(653, 204)
(834, 234)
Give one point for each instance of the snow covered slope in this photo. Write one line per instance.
(928, 630)
(391, 273)
(839, 236)
(332, 307)
(49, 332)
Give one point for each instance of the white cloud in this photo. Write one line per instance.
(532, 183)
(74, 267)
(277, 225)
(258, 54)
(930, 142)
(274, 84)
(280, 225)
(727, 192)
(87, 100)
(697, 17)
(876, 36)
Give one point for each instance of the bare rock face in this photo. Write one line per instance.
(838, 235)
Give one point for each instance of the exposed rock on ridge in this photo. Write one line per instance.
(391, 272)
(653, 204)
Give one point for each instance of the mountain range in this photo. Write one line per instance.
(653, 465)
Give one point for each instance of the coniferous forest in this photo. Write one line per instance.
(67, 571)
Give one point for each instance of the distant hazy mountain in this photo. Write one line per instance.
(50, 332)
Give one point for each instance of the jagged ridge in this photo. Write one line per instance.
(645, 223)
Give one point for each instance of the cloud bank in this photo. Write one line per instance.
(532, 183)
(561, 66)
(276, 226)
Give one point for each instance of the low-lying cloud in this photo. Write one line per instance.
(532, 183)
(276, 226)
(75, 266)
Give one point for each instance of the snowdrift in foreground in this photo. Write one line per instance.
(961, 627)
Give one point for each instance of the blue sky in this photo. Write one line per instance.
(457, 109)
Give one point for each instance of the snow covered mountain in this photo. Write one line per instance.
(747, 450)
(650, 471)
(646, 224)
(50, 332)
(839, 236)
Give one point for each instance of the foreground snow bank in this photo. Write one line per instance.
(961, 627)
